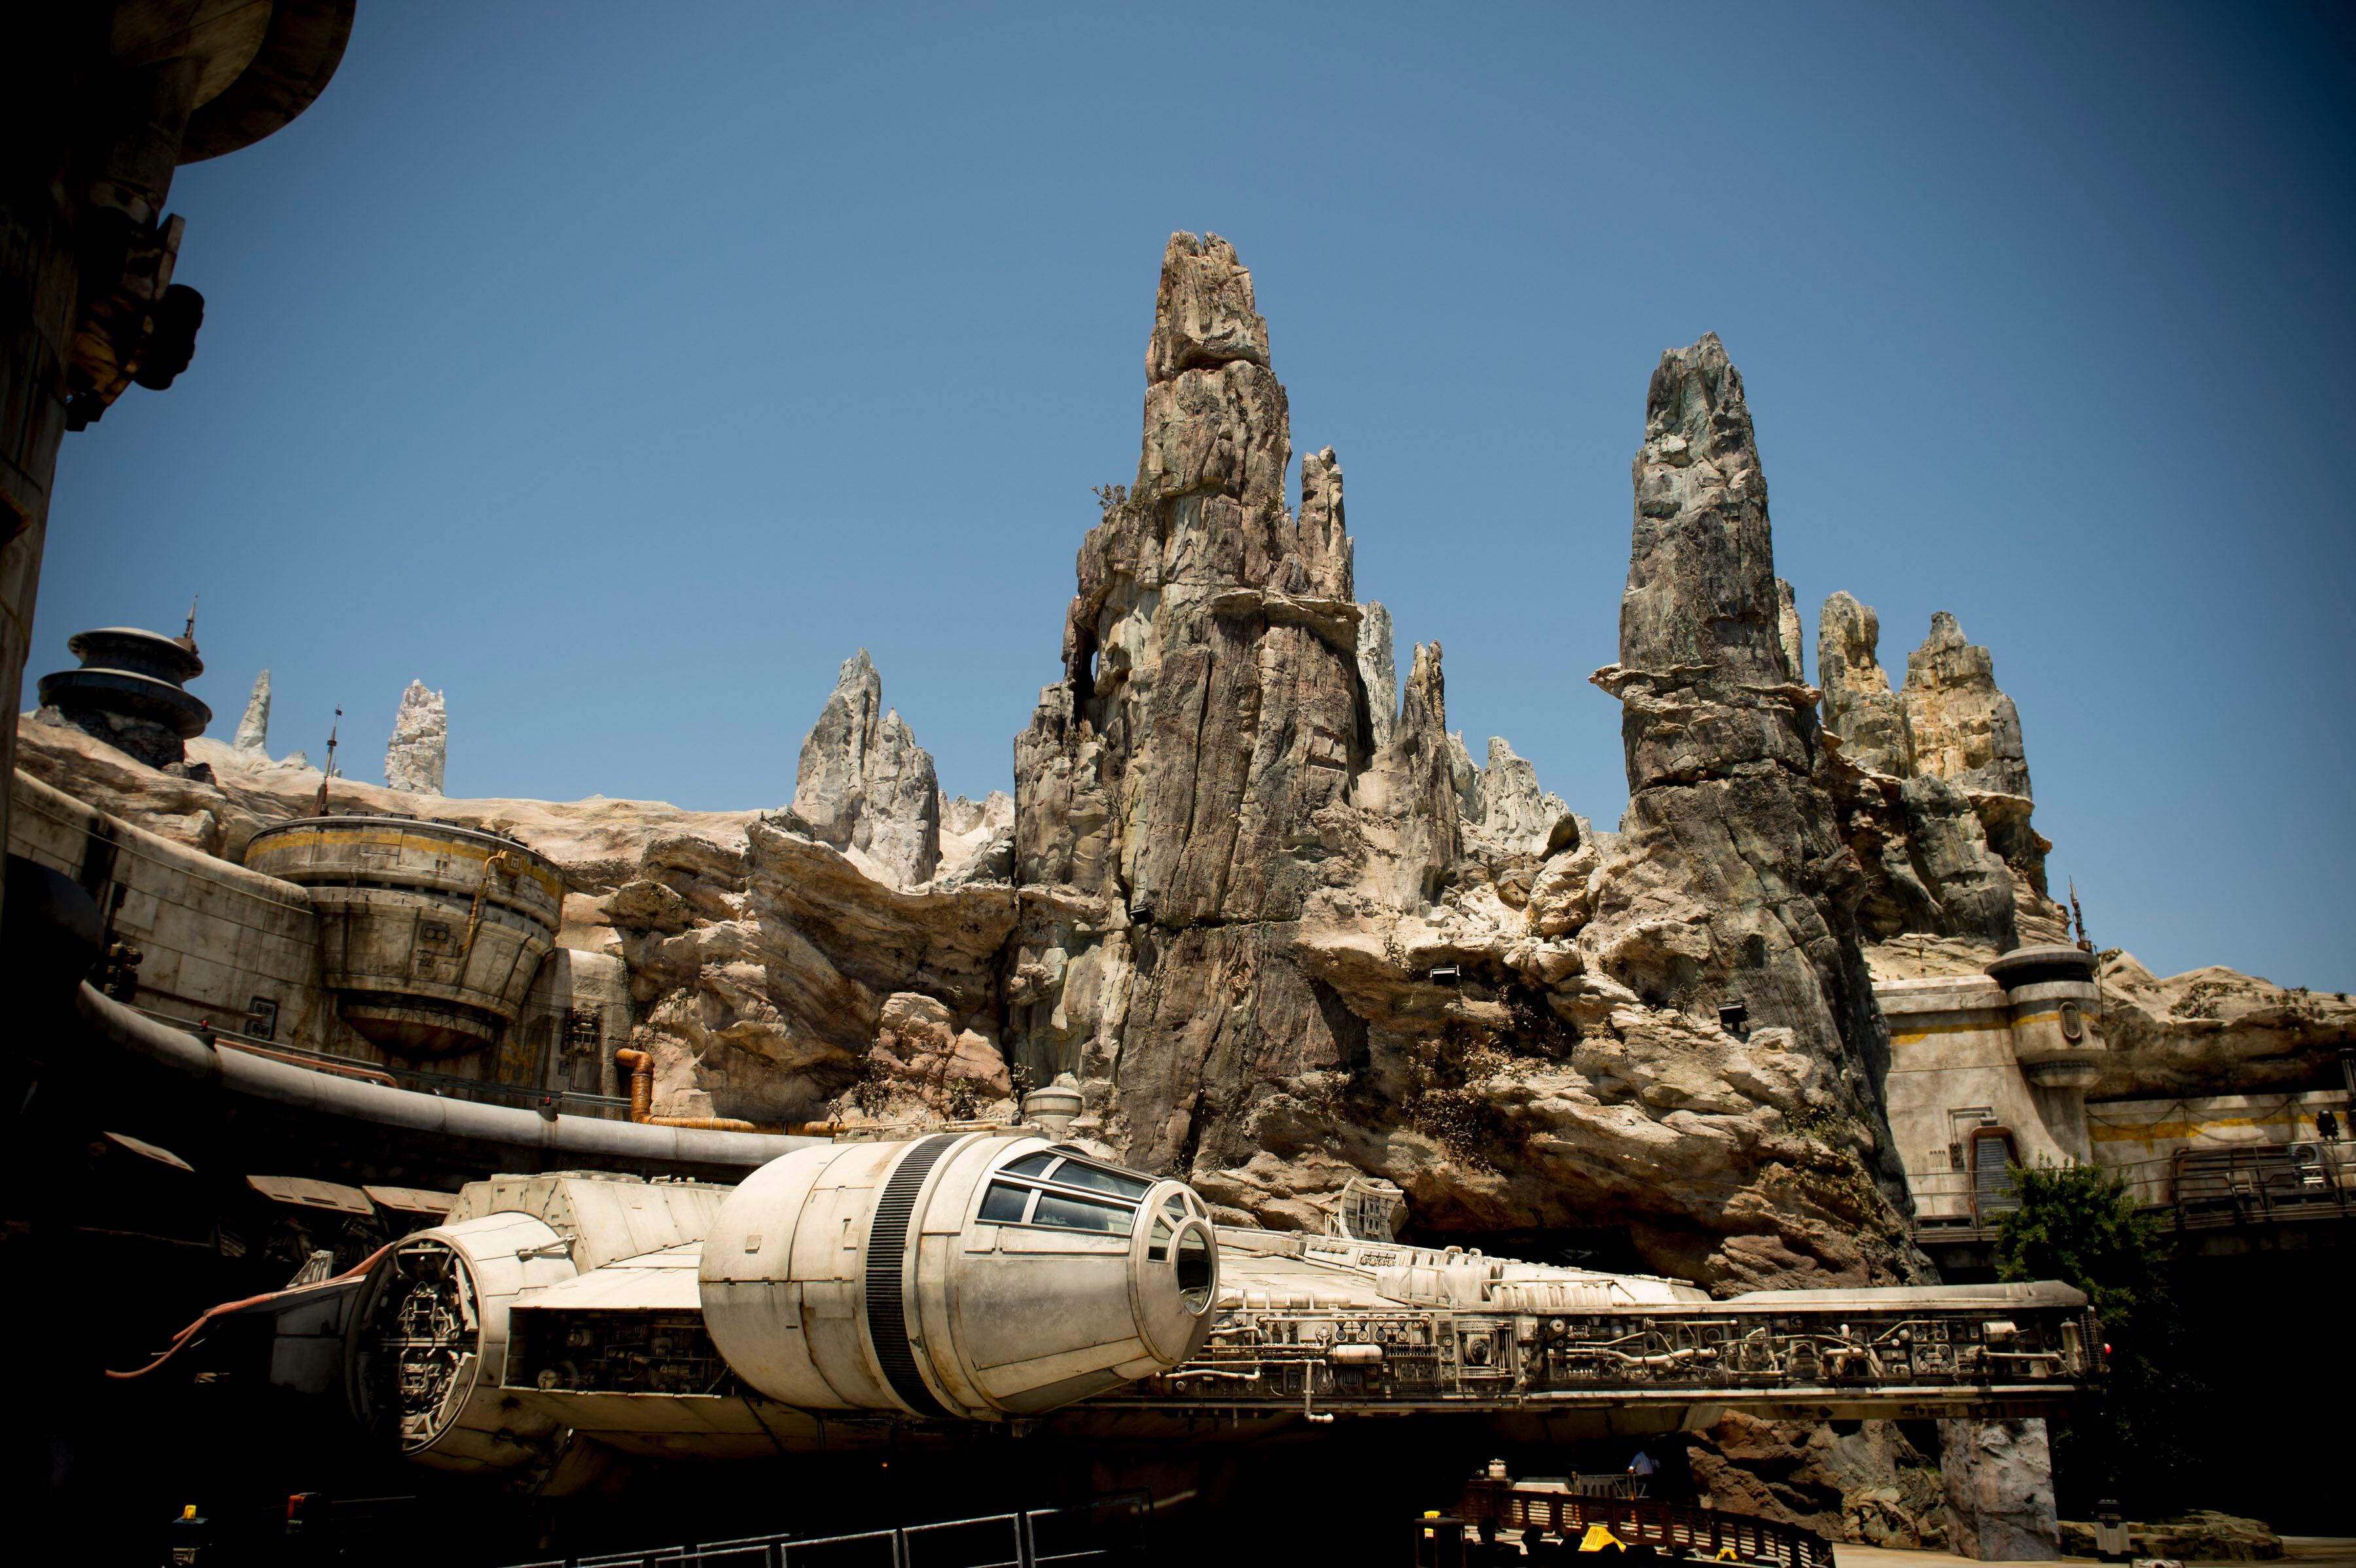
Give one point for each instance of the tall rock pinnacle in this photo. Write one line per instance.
(1965, 731)
(1702, 676)
(254, 729)
(1735, 887)
(1212, 706)
(420, 747)
(865, 783)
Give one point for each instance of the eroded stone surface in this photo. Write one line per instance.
(1867, 1483)
(1940, 824)
(1281, 927)
(419, 750)
(254, 726)
(864, 785)
(1963, 728)
(1999, 1476)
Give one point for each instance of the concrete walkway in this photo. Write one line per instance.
(2305, 1550)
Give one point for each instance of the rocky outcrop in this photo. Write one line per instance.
(1506, 818)
(864, 785)
(1278, 924)
(1860, 709)
(1377, 673)
(2202, 1535)
(1866, 1484)
(1999, 1476)
(923, 1068)
(1731, 886)
(415, 756)
(253, 728)
(1963, 729)
(1939, 817)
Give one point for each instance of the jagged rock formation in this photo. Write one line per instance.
(1999, 1490)
(253, 728)
(1933, 785)
(1863, 713)
(864, 784)
(1866, 1484)
(1505, 816)
(1262, 904)
(1963, 728)
(415, 756)
(1732, 885)
(1377, 673)
(1275, 944)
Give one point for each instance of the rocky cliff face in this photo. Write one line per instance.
(1283, 929)
(864, 784)
(1932, 787)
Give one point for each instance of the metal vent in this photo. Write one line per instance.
(887, 1258)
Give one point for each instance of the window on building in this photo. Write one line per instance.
(1993, 1158)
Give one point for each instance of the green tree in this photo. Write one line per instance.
(2121, 1440)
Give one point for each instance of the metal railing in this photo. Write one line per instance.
(448, 1085)
(1672, 1528)
(2191, 1189)
(567, 1101)
(1111, 1530)
(2259, 1185)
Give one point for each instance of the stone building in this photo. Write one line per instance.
(99, 103)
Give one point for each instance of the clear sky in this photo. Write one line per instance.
(619, 370)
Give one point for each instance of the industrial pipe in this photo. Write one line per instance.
(641, 1069)
(580, 1138)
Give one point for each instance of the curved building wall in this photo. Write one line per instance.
(215, 939)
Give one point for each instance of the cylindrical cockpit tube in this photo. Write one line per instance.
(966, 1276)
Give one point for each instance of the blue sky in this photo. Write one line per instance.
(620, 370)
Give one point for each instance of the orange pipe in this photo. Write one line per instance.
(641, 1069)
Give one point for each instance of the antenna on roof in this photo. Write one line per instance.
(320, 808)
(192, 632)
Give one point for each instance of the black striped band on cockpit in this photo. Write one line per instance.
(887, 1253)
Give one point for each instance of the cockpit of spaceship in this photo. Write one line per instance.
(1060, 1188)
(969, 1275)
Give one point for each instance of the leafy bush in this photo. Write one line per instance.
(2123, 1439)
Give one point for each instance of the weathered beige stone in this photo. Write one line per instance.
(1999, 1478)
(417, 754)
(1963, 729)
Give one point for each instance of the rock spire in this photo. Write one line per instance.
(1172, 788)
(864, 784)
(1933, 786)
(419, 750)
(254, 729)
(1733, 887)
(1965, 730)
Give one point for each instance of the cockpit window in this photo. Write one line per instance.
(1056, 1188)
(1195, 1269)
(1083, 1214)
(1157, 1249)
(1075, 1173)
(1174, 1207)
(1004, 1204)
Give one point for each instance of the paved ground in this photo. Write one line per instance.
(2306, 1551)
(2321, 1551)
